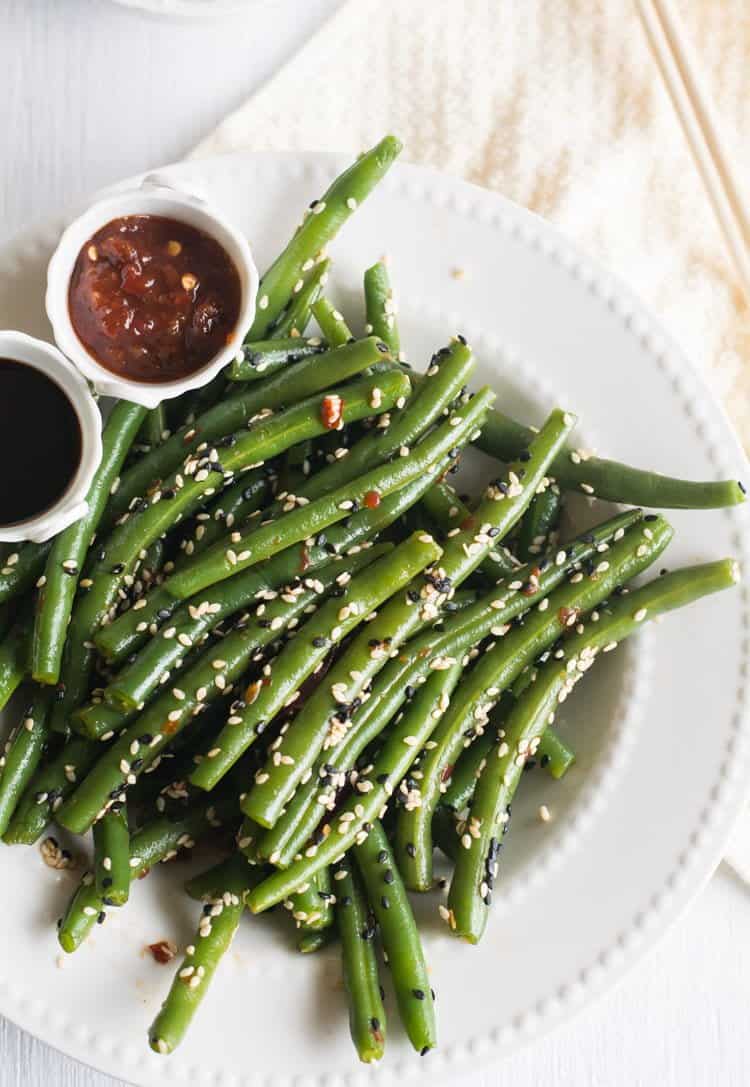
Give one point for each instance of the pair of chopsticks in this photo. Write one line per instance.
(679, 69)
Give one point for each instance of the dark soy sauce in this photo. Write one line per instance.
(40, 442)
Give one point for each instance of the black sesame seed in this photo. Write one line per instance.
(411, 849)
(107, 881)
(389, 876)
(101, 918)
(382, 856)
(319, 642)
(118, 568)
(385, 902)
(375, 1023)
(418, 993)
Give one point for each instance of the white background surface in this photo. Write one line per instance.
(89, 93)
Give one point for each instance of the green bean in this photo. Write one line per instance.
(471, 889)
(305, 379)
(14, 655)
(219, 922)
(209, 884)
(7, 615)
(265, 357)
(200, 616)
(247, 840)
(333, 326)
(311, 904)
(138, 680)
(97, 719)
(301, 657)
(381, 308)
(575, 470)
(327, 714)
(432, 650)
(233, 506)
(295, 318)
(445, 508)
(193, 404)
(22, 754)
(266, 438)
(48, 788)
(159, 840)
(165, 779)
(301, 523)
(538, 525)
(396, 432)
(85, 909)
(367, 1023)
(66, 559)
(112, 857)
(321, 224)
(21, 568)
(123, 636)
(320, 721)
(153, 429)
(497, 669)
(554, 754)
(401, 943)
(316, 940)
(212, 677)
(444, 832)
(373, 790)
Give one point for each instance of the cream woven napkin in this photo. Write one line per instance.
(558, 105)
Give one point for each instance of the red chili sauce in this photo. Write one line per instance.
(153, 299)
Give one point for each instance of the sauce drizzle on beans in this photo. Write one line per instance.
(153, 299)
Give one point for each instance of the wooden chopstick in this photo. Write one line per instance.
(679, 69)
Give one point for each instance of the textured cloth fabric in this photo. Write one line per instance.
(559, 105)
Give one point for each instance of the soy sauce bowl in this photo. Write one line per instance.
(71, 504)
(157, 197)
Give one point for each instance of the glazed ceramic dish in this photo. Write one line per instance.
(661, 733)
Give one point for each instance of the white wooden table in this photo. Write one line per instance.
(90, 92)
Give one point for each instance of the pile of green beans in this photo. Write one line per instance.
(280, 631)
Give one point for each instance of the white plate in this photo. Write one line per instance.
(661, 727)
